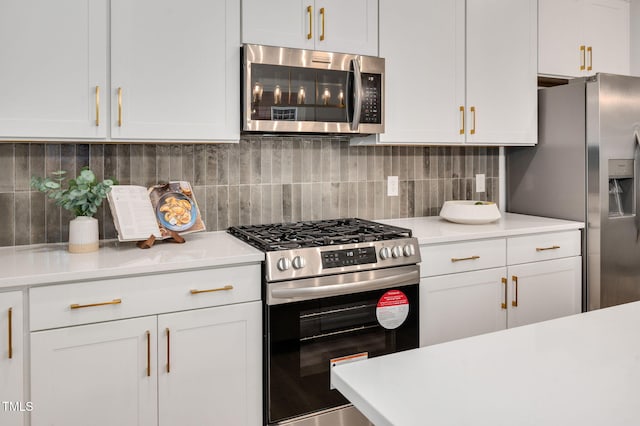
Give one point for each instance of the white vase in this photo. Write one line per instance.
(83, 235)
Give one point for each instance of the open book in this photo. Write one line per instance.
(139, 212)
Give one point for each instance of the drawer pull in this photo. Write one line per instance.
(119, 106)
(504, 304)
(97, 105)
(547, 248)
(460, 259)
(514, 303)
(10, 315)
(148, 353)
(225, 288)
(91, 305)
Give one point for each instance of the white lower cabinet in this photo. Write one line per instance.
(210, 366)
(467, 293)
(139, 351)
(98, 374)
(14, 406)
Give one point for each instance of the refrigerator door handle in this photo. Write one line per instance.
(636, 166)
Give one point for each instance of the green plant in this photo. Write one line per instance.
(83, 195)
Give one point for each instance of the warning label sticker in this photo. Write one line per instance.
(392, 309)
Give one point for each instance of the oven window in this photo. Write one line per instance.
(303, 337)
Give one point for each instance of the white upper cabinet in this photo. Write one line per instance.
(502, 96)
(582, 37)
(459, 72)
(424, 79)
(175, 69)
(53, 77)
(329, 25)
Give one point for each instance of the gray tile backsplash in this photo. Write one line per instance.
(259, 180)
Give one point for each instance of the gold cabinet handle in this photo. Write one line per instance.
(91, 305)
(462, 119)
(473, 121)
(504, 303)
(10, 315)
(590, 53)
(582, 58)
(460, 259)
(148, 353)
(547, 248)
(322, 16)
(119, 106)
(97, 106)
(310, 12)
(211, 290)
(168, 351)
(514, 303)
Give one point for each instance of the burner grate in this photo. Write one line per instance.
(284, 236)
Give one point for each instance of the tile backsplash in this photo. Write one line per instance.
(260, 180)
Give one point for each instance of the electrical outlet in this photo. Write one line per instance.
(392, 186)
(480, 183)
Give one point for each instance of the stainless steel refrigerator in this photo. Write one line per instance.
(586, 168)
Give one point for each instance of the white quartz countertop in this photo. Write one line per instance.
(52, 263)
(434, 229)
(578, 370)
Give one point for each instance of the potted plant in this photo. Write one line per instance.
(82, 197)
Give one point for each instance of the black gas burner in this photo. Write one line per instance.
(286, 236)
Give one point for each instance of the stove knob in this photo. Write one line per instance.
(409, 250)
(299, 262)
(396, 251)
(385, 253)
(283, 264)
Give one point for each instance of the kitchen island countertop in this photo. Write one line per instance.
(52, 263)
(434, 229)
(578, 370)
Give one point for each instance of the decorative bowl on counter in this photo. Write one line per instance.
(471, 212)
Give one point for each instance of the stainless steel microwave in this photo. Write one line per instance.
(304, 91)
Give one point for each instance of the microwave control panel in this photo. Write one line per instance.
(371, 102)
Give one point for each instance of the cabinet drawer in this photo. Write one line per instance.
(451, 258)
(533, 248)
(105, 300)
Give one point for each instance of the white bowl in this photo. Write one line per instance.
(471, 212)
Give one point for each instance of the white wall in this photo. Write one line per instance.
(635, 37)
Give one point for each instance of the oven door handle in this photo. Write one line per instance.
(305, 293)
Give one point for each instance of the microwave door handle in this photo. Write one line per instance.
(636, 172)
(357, 95)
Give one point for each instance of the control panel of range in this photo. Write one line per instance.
(307, 262)
(348, 257)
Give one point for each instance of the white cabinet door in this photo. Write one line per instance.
(284, 23)
(98, 374)
(175, 69)
(560, 37)
(210, 366)
(461, 305)
(54, 58)
(583, 37)
(544, 290)
(427, 42)
(502, 72)
(347, 26)
(330, 25)
(12, 359)
(607, 33)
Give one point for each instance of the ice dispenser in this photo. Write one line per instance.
(621, 188)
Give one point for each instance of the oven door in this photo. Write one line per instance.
(304, 340)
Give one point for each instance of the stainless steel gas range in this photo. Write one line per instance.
(335, 291)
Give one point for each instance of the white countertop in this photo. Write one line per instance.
(578, 370)
(434, 229)
(52, 263)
